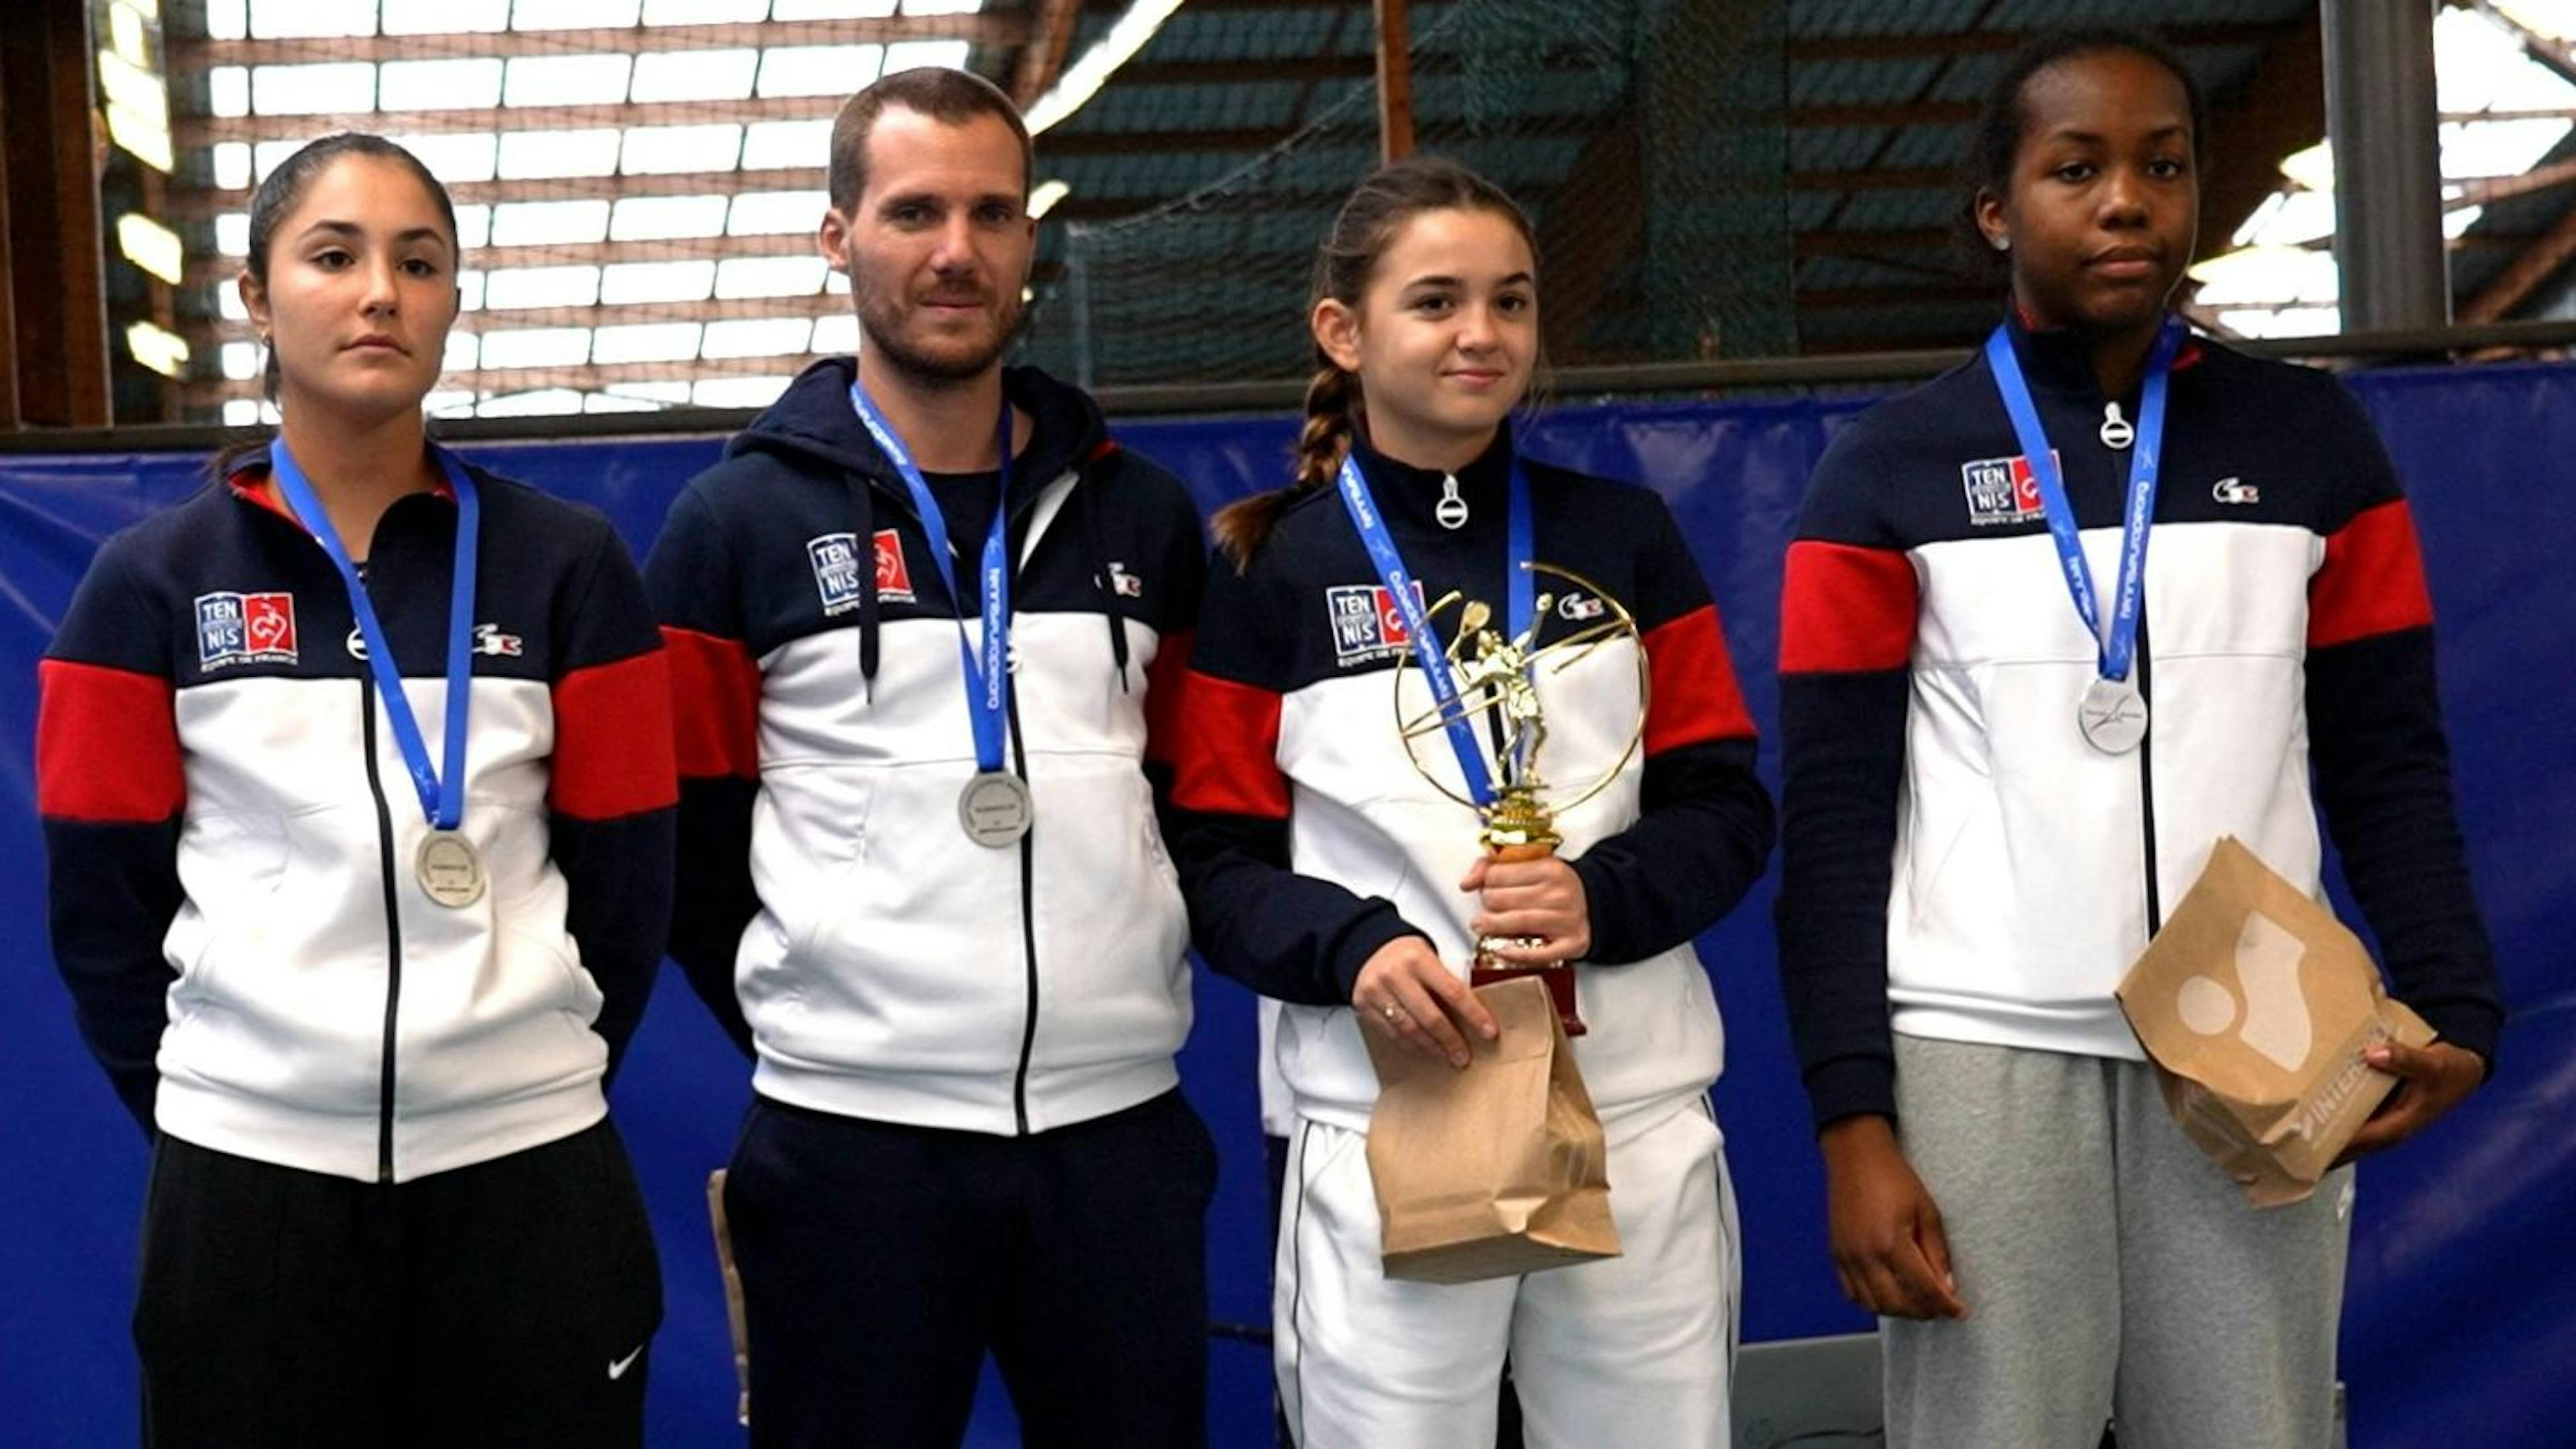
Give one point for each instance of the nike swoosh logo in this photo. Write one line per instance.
(617, 1369)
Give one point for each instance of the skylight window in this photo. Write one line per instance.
(232, 165)
(646, 342)
(786, 145)
(466, 156)
(626, 282)
(517, 287)
(831, 9)
(228, 90)
(738, 392)
(537, 155)
(473, 226)
(469, 84)
(537, 347)
(567, 80)
(777, 213)
(573, 14)
(461, 348)
(538, 223)
(837, 334)
(671, 149)
(232, 233)
(738, 277)
(757, 337)
(446, 17)
(820, 70)
(913, 54)
(660, 218)
(695, 75)
(545, 402)
(704, 12)
(282, 19)
(312, 90)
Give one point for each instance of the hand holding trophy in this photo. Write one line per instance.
(1496, 702)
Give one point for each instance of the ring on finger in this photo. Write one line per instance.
(1392, 1012)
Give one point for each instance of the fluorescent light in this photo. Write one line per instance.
(147, 139)
(153, 247)
(1084, 78)
(1044, 196)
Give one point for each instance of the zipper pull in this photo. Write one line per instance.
(2116, 432)
(1452, 509)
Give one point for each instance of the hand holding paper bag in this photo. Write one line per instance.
(1495, 1170)
(2257, 1006)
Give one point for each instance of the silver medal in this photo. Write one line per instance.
(995, 808)
(2113, 716)
(449, 870)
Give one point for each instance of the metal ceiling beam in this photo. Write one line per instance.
(1394, 82)
(1050, 40)
(991, 28)
(199, 203)
(2004, 42)
(218, 270)
(2532, 266)
(619, 314)
(207, 130)
(2380, 113)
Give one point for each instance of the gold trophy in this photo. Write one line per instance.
(1497, 681)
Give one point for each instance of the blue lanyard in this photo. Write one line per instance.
(2116, 650)
(988, 681)
(1521, 594)
(441, 799)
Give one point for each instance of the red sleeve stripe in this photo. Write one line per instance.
(715, 705)
(1846, 610)
(2372, 581)
(1229, 761)
(613, 739)
(1165, 683)
(107, 745)
(1694, 698)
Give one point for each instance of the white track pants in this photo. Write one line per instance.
(1628, 1351)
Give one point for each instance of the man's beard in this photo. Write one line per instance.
(882, 322)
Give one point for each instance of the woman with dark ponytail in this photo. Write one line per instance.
(2009, 746)
(356, 774)
(1323, 871)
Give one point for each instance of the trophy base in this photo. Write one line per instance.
(1558, 978)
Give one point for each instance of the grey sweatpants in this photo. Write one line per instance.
(2108, 1267)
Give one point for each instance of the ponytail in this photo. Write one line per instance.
(1243, 526)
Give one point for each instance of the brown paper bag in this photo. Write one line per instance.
(1495, 1170)
(2255, 1004)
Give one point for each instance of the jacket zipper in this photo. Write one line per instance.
(393, 942)
(2147, 777)
(1028, 935)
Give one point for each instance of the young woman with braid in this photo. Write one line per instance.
(1323, 871)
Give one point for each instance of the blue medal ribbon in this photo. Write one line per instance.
(1521, 591)
(442, 795)
(988, 680)
(2116, 649)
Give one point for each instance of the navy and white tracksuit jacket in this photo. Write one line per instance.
(231, 832)
(831, 910)
(1958, 862)
(1309, 840)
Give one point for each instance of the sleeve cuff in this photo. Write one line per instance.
(1364, 939)
(1608, 949)
(2466, 1024)
(1850, 1086)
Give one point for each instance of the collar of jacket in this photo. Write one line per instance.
(813, 419)
(1411, 496)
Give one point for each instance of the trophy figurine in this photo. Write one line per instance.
(1497, 677)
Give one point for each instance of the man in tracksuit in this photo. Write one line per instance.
(926, 621)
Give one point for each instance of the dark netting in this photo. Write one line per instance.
(1645, 137)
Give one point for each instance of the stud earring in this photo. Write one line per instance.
(2002, 243)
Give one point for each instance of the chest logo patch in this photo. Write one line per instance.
(2236, 491)
(835, 558)
(245, 629)
(1366, 623)
(2001, 490)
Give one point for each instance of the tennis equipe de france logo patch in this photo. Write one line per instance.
(835, 557)
(2000, 490)
(245, 629)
